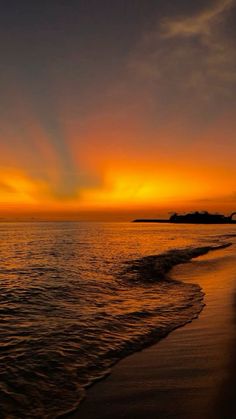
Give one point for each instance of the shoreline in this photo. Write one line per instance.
(186, 369)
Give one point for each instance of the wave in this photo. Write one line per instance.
(156, 267)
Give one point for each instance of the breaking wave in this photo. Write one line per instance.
(154, 268)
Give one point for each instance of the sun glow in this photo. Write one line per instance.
(121, 186)
(149, 186)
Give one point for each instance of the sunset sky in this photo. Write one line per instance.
(117, 109)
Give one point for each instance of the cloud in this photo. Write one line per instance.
(16, 186)
(189, 60)
(199, 24)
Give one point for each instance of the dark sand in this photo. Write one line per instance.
(191, 373)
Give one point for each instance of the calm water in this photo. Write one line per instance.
(76, 297)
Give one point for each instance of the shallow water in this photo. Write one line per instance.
(70, 308)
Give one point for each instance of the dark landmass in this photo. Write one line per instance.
(192, 218)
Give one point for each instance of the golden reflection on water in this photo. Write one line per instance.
(70, 313)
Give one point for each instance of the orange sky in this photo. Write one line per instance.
(115, 174)
(122, 123)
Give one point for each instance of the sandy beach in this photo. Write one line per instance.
(190, 373)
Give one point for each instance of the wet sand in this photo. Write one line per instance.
(190, 373)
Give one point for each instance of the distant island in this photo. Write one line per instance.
(203, 217)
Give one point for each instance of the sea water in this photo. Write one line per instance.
(77, 297)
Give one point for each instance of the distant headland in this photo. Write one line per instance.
(203, 217)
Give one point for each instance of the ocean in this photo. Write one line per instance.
(76, 297)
